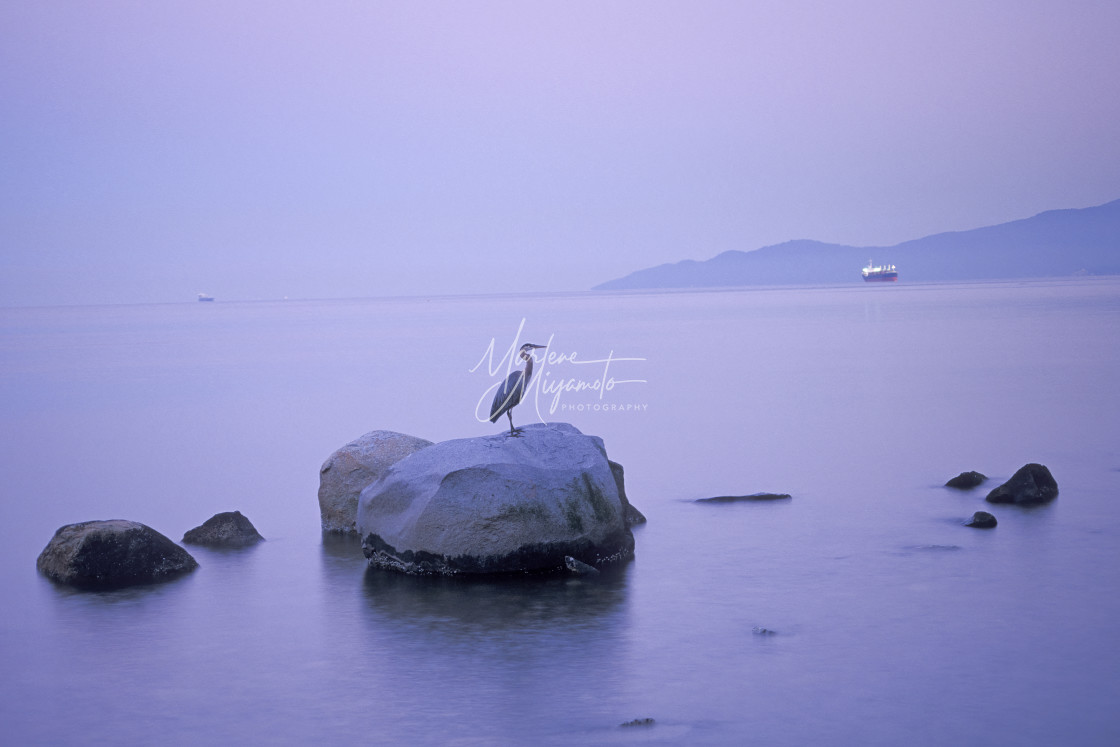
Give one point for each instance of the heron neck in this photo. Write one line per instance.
(528, 369)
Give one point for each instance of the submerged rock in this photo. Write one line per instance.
(981, 520)
(966, 480)
(497, 504)
(229, 529)
(753, 497)
(112, 554)
(1031, 485)
(350, 469)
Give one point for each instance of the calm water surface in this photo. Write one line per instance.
(859, 612)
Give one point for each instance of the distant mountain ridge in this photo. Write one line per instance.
(1055, 243)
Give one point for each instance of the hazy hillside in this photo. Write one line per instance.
(1051, 244)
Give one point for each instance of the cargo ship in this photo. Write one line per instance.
(886, 273)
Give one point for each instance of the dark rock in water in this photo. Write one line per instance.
(354, 466)
(981, 520)
(745, 498)
(1031, 485)
(633, 515)
(579, 568)
(497, 504)
(229, 529)
(966, 480)
(112, 554)
(638, 722)
(763, 631)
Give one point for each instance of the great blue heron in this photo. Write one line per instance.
(511, 390)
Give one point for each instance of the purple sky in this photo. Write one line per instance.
(256, 150)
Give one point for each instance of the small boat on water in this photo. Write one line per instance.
(886, 273)
(204, 297)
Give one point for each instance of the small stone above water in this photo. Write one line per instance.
(753, 497)
(981, 520)
(579, 568)
(1031, 485)
(966, 481)
(112, 554)
(228, 529)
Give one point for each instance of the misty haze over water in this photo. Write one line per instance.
(859, 612)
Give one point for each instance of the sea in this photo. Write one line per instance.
(860, 611)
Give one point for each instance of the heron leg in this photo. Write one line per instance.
(512, 430)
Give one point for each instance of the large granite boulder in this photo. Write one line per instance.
(350, 469)
(1031, 485)
(227, 529)
(112, 554)
(497, 504)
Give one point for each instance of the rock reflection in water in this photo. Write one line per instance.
(497, 655)
(495, 604)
